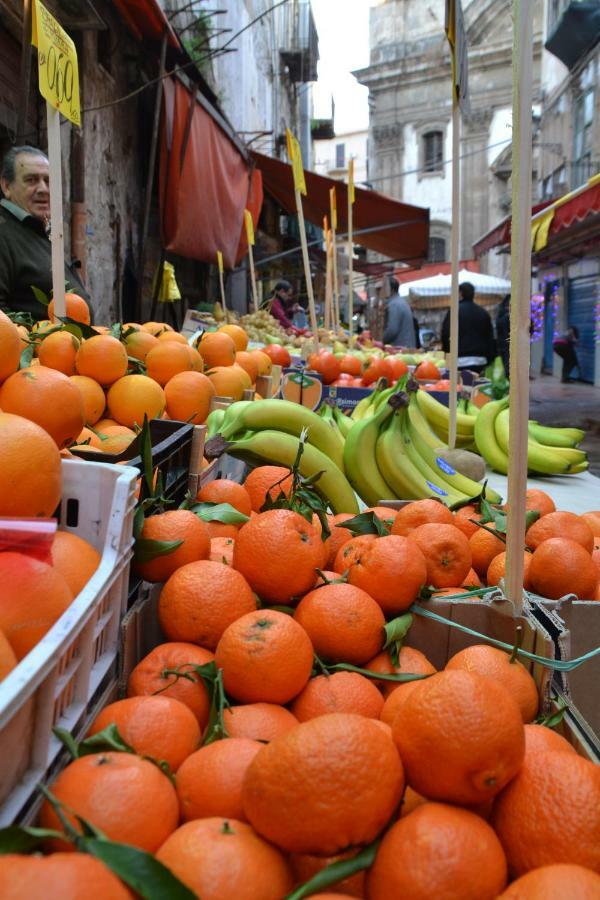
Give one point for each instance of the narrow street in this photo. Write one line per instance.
(576, 405)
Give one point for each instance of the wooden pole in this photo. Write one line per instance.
(335, 286)
(520, 296)
(350, 250)
(253, 278)
(221, 279)
(307, 275)
(57, 236)
(328, 323)
(454, 260)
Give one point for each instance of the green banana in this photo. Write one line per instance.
(555, 437)
(270, 447)
(214, 420)
(580, 467)
(290, 418)
(540, 459)
(419, 423)
(326, 412)
(395, 464)
(360, 410)
(485, 435)
(344, 423)
(359, 459)
(438, 415)
(444, 473)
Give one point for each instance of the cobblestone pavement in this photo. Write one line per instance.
(577, 405)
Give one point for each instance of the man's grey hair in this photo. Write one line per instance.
(8, 170)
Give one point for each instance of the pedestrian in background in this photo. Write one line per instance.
(399, 326)
(476, 344)
(564, 346)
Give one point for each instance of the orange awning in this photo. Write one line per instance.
(396, 230)
(146, 19)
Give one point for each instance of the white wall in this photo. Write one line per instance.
(433, 191)
(356, 148)
(500, 130)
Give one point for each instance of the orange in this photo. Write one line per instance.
(34, 596)
(223, 490)
(221, 550)
(237, 335)
(258, 721)
(560, 525)
(351, 364)
(58, 351)
(593, 520)
(550, 813)
(139, 344)
(102, 358)
(101, 426)
(166, 360)
(460, 737)
(387, 516)
(446, 551)
(174, 525)
(116, 443)
(462, 519)
(217, 349)
(539, 501)
(188, 396)
(41, 328)
(94, 400)
(277, 552)
(494, 663)
(248, 364)
(133, 397)
(271, 479)
(229, 381)
(173, 336)
(159, 727)
(76, 308)
(339, 536)
(48, 398)
(395, 701)
(278, 355)
(391, 569)
(411, 800)
(129, 799)
(10, 347)
(305, 866)
(343, 622)
(263, 361)
(75, 559)
(561, 566)
(209, 783)
(497, 570)
(155, 674)
(89, 437)
(438, 851)
(342, 692)
(200, 600)
(156, 328)
(196, 360)
(265, 656)
(23, 333)
(223, 858)
(331, 783)
(410, 661)
(221, 530)
(539, 738)
(420, 512)
(472, 579)
(555, 882)
(70, 876)
(8, 660)
(484, 547)
(30, 472)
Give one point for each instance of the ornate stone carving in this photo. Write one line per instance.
(478, 121)
(388, 135)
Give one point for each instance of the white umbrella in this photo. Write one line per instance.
(439, 285)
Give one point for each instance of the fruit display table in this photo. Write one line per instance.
(574, 493)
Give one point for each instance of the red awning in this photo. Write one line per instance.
(499, 235)
(146, 19)
(396, 230)
(567, 212)
(205, 182)
(441, 268)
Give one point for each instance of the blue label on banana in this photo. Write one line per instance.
(436, 489)
(444, 466)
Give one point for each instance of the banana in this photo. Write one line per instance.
(360, 410)
(555, 437)
(444, 473)
(214, 420)
(326, 412)
(419, 423)
(270, 447)
(290, 418)
(360, 462)
(581, 467)
(544, 460)
(438, 415)
(485, 435)
(399, 469)
(344, 423)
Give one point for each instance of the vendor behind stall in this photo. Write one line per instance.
(25, 250)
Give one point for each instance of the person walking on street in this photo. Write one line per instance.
(503, 331)
(399, 326)
(564, 346)
(25, 249)
(476, 345)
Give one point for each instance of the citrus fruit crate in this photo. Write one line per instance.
(69, 674)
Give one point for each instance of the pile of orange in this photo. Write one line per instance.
(308, 764)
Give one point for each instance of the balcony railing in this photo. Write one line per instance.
(299, 41)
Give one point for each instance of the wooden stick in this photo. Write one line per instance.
(328, 286)
(350, 250)
(56, 213)
(253, 278)
(336, 292)
(221, 278)
(454, 260)
(520, 294)
(307, 275)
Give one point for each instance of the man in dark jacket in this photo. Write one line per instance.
(25, 249)
(475, 332)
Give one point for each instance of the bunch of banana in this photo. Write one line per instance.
(438, 417)
(267, 432)
(336, 419)
(559, 458)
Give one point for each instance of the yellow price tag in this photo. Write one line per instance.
(57, 63)
(351, 180)
(220, 261)
(333, 207)
(295, 155)
(249, 227)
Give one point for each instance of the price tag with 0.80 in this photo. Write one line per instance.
(57, 63)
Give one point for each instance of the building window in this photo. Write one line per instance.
(433, 151)
(437, 250)
(583, 138)
(340, 156)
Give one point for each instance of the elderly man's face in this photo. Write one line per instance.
(31, 187)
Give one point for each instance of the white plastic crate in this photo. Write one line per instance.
(72, 670)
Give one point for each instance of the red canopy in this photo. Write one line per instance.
(146, 19)
(499, 235)
(568, 211)
(396, 230)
